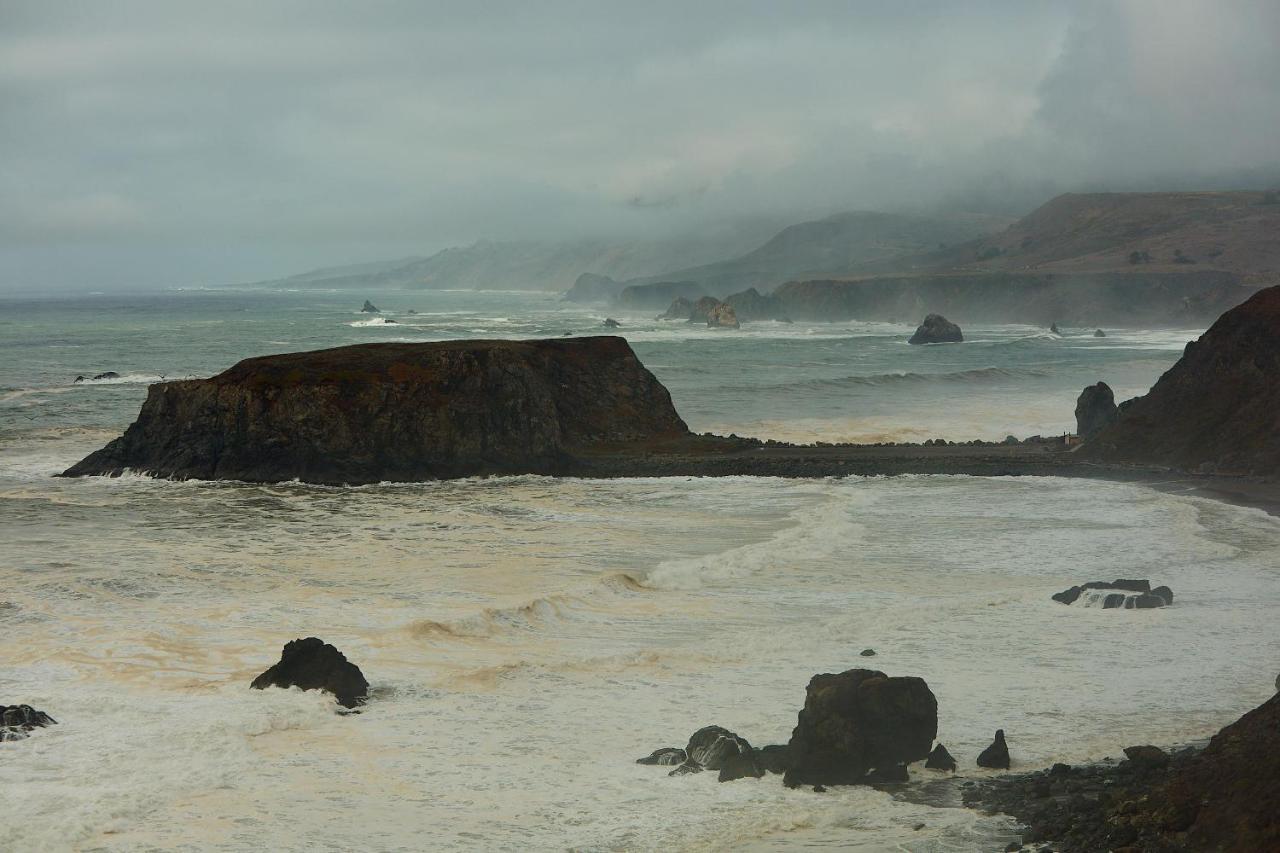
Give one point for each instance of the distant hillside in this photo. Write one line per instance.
(842, 244)
(1142, 259)
(489, 265)
(1238, 232)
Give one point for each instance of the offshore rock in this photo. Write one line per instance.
(1215, 411)
(668, 756)
(17, 720)
(1095, 410)
(369, 308)
(717, 748)
(723, 317)
(313, 664)
(940, 759)
(936, 329)
(1121, 592)
(858, 721)
(750, 304)
(397, 412)
(997, 755)
(702, 309)
(681, 309)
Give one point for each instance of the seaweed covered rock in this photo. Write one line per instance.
(858, 721)
(313, 664)
(937, 329)
(397, 412)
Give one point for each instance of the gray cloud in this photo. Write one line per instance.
(165, 143)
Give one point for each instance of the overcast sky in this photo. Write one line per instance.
(174, 143)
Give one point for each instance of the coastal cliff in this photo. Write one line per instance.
(1217, 410)
(397, 412)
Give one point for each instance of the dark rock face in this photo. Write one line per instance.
(1223, 798)
(667, 756)
(17, 720)
(610, 323)
(776, 757)
(997, 755)
(680, 309)
(717, 748)
(399, 412)
(1218, 409)
(750, 304)
(313, 664)
(857, 721)
(1095, 410)
(723, 317)
(940, 759)
(369, 308)
(936, 329)
(590, 287)
(702, 309)
(1120, 592)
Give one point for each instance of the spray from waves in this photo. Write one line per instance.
(816, 533)
(373, 321)
(888, 380)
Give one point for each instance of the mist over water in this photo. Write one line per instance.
(527, 638)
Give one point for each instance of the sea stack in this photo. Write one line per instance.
(1095, 410)
(369, 308)
(397, 412)
(937, 329)
(313, 664)
(1218, 409)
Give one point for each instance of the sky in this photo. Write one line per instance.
(158, 144)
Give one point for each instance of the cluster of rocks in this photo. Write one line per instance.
(1119, 593)
(707, 310)
(16, 721)
(857, 727)
(110, 374)
(937, 329)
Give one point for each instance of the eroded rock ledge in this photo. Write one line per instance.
(397, 412)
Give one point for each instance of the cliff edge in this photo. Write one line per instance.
(1217, 411)
(397, 412)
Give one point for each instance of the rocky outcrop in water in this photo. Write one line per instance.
(668, 756)
(590, 287)
(750, 304)
(1225, 797)
(858, 721)
(313, 664)
(680, 309)
(702, 309)
(723, 317)
(369, 308)
(995, 756)
(1095, 410)
(717, 748)
(1098, 333)
(936, 329)
(110, 374)
(16, 721)
(1120, 593)
(398, 412)
(940, 759)
(1216, 410)
(610, 323)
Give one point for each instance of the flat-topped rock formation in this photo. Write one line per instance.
(1217, 410)
(398, 412)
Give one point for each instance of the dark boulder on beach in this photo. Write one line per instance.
(1146, 756)
(398, 412)
(858, 721)
(1217, 411)
(369, 308)
(936, 329)
(995, 756)
(313, 664)
(1095, 410)
(17, 720)
(940, 759)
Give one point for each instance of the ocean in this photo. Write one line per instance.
(527, 638)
